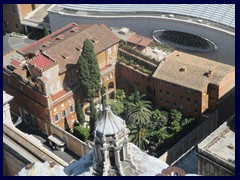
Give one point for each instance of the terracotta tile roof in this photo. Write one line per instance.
(41, 62)
(195, 71)
(72, 42)
(140, 40)
(58, 95)
(15, 63)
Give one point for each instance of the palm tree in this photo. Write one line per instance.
(138, 110)
(138, 136)
(138, 115)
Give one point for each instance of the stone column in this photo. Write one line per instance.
(118, 161)
(105, 163)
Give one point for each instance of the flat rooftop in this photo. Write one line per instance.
(124, 37)
(37, 17)
(14, 55)
(216, 15)
(221, 143)
(194, 75)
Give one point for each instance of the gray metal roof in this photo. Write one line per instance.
(218, 13)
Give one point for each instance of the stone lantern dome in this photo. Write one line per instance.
(111, 145)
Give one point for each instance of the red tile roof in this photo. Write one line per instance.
(72, 41)
(140, 40)
(15, 63)
(41, 61)
(58, 95)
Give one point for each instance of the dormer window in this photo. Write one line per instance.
(65, 55)
(46, 44)
(60, 37)
(94, 40)
(79, 48)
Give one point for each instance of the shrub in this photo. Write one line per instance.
(80, 132)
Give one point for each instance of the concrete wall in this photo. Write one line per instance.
(207, 167)
(146, 25)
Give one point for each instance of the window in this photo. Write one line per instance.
(160, 100)
(160, 82)
(5, 23)
(58, 84)
(64, 114)
(109, 51)
(168, 102)
(188, 100)
(21, 87)
(16, 25)
(195, 110)
(167, 83)
(189, 91)
(71, 110)
(14, 8)
(160, 91)
(174, 95)
(55, 110)
(62, 105)
(69, 101)
(195, 101)
(111, 75)
(107, 77)
(115, 48)
(56, 118)
(175, 104)
(174, 85)
(167, 92)
(189, 109)
(181, 97)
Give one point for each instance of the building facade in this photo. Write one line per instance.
(182, 81)
(43, 75)
(216, 153)
(13, 15)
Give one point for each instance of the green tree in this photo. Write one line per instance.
(88, 70)
(138, 136)
(93, 118)
(117, 106)
(104, 99)
(175, 115)
(79, 112)
(80, 132)
(120, 94)
(45, 30)
(138, 110)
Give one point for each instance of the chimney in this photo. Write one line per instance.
(210, 72)
(183, 69)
